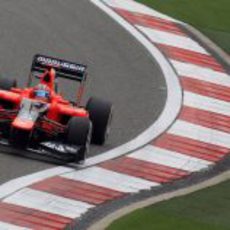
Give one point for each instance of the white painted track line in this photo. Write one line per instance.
(110, 179)
(200, 133)
(206, 103)
(201, 73)
(47, 202)
(169, 158)
(167, 38)
(8, 226)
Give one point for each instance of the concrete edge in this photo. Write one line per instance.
(107, 220)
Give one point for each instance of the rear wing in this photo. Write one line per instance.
(64, 69)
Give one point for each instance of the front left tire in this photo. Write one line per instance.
(79, 134)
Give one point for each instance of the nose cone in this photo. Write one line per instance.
(23, 124)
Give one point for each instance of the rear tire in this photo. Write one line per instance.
(7, 84)
(79, 133)
(100, 113)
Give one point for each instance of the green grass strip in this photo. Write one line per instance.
(208, 209)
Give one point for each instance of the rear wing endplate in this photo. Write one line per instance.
(64, 69)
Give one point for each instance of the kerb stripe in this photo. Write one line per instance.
(206, 119)
(206, 89)
(47, 202)
(76, 190)
(149, 21)
(166, 38)
(31, 218)
(206, 103)
(193, 57)
(201, 73)
(146, 170)
(200, 133)
(191, 147)
(165, 157)
(110, 179)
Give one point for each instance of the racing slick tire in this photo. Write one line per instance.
(100, 114)
(79, 134)
(7, 84)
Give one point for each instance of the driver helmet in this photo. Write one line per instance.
(42, 92)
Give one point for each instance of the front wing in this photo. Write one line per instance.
(64, 153)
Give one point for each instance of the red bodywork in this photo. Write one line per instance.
(58, 112)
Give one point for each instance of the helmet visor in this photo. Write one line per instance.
(41, 93)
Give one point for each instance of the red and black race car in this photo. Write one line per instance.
(39, 119)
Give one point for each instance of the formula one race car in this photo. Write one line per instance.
(39, 119)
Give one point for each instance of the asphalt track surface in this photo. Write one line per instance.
(120, 69)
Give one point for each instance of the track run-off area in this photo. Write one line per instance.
(191, 135)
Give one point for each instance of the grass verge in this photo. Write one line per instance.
(211, 17)
(208, 209)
